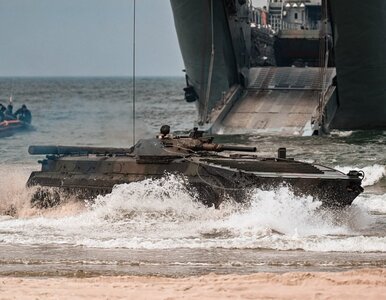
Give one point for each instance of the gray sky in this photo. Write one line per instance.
(87, 37)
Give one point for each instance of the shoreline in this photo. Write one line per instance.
(354, 284)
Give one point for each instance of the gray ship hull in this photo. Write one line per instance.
(360, 58)
(215, 42)
(193, 21)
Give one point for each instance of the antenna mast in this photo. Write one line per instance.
(11, 97)
(134, 13)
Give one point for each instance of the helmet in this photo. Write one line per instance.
(165, 129)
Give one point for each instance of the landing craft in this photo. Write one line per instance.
(90, 171)
(292, 67)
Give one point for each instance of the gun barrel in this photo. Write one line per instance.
(238, 148)
(221, 147)
(67, 150)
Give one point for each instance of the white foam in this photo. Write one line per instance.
(373, 174)
(281, 211)
(341, 133)
(372, 203)
(14, 196)
(348, 244)
(164, 213)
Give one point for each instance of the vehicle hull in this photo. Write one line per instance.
(212, 179)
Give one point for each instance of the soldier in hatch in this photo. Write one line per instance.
(165, 132)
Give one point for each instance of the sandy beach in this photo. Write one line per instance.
(357, 284)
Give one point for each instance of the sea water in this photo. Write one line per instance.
(159, 226)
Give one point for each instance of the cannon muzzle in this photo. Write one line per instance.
(68, 150)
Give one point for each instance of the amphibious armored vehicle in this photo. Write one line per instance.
(90, 171)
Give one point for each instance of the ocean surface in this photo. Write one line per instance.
(155, 227)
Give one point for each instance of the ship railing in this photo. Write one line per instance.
(278, 24)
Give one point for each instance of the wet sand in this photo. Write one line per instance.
(356, 284)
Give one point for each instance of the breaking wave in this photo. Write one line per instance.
(166, 214)
(15, 197)
(373, 174)
(372, 203)
(339, 133)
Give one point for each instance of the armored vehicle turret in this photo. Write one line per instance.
(213, 171)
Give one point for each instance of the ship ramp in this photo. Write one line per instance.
(278, 100)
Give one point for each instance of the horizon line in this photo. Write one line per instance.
(88, 76)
